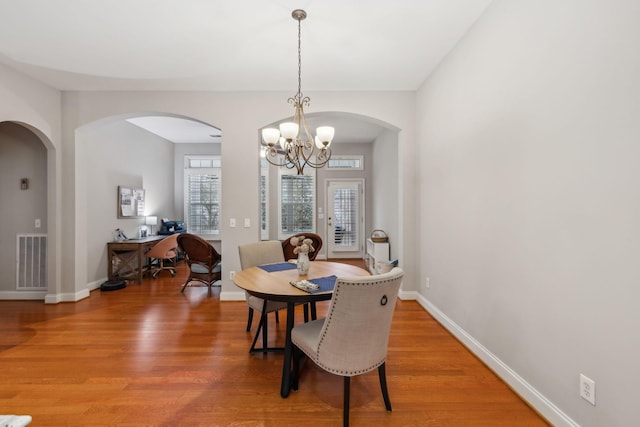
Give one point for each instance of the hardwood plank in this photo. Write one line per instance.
(149, 355)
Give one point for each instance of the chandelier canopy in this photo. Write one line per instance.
(291, 145)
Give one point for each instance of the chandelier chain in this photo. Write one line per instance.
(299, 62)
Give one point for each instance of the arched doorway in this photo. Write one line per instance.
(125, 150)
(24, 189)
(375, 181)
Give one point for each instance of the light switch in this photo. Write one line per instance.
(232, 222)
(247, 222)
(38, 223)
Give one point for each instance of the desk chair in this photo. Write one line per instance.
(165, 249)
(203, 260)
(353, 338)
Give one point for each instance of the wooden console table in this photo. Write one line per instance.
(127, 258)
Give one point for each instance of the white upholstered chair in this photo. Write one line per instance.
(354, 336)
(251, 255)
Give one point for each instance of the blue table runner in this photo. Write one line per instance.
(325, 283)
(279, 266)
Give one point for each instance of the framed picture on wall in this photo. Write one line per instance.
(130, 202)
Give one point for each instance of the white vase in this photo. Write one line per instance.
(303, 264)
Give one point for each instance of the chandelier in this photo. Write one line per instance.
(292, 146)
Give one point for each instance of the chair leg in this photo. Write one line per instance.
(297, 355)
(306, 312)
(186, 283)
(345, 404)
(249, 319)
(383, 385)
(277, 317)
(255, 339)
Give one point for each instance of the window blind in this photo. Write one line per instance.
(296, 203)
(345, 211)
(203, 196)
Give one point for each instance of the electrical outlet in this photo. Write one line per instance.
(38, 223)
(232, 222)
(427, 283)
(588, 389)
(232, 275)
(247, 222)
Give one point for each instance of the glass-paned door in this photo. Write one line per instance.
(345, 218)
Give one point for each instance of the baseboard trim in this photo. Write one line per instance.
(537, 400)
(96, 284)
(22, 295)
(232, 296)
(66, 297)
(408, 295)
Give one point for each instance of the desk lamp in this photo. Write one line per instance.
(151, 221)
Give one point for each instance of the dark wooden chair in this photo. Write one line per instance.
(287, 247)
(203, 260)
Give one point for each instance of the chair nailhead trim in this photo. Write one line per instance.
(336, 295)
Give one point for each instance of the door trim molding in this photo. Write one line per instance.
(361, 240)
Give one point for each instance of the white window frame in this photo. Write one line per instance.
(264, 172)
(307, 172)
(333, 159)
(190, 168)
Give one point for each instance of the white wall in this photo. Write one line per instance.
(115, 152)
(385, 196)
(529, 202)
(22, 155)
(239, 115)
(37, 107)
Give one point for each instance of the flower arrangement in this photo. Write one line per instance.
(302, 245)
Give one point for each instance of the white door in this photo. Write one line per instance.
(345, 218)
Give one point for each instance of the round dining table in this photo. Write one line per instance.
(276, 286)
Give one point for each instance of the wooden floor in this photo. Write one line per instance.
(149, 355)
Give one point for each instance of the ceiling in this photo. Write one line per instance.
(177, 129)
(248, 45)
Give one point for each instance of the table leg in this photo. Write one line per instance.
(112, 255)
(285, 387)
(140, 255)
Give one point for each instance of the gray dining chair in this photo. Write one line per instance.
(353, 338)
(251, 255)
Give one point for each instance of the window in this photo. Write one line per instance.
(346, 163)
(297, 195)
(264, 199)
(202, 194)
